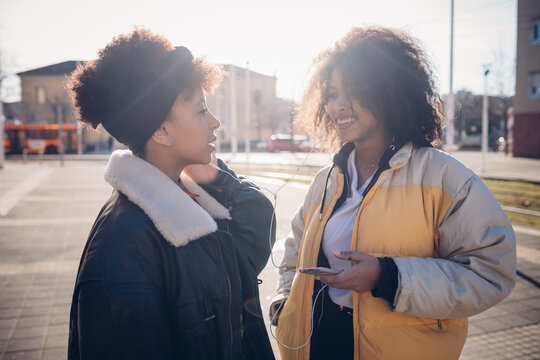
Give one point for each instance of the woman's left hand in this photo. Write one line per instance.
(360, 277)
(203, 174)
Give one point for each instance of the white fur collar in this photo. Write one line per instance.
(177, 217)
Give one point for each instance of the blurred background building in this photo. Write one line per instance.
(527, 98)
(43, 92)
(268, 113)
(514, 121)
(44, 99)
(468, 121)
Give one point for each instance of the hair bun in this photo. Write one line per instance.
(82, 86)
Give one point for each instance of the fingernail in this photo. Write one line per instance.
(337, 253)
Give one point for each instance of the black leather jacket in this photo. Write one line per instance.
(139, 297)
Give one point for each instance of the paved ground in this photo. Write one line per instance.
(48, 211)
(497, 165)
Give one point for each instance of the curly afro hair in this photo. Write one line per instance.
(389, 74)
(103, 88)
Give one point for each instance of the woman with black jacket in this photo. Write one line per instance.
(170, 268)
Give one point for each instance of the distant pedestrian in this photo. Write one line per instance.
(421, 242)
(110, 142)
(170, 268)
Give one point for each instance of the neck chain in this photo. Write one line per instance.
(367, 166)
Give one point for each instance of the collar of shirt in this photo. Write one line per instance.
(353, 175)
(191, 195)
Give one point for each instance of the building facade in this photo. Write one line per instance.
(45, 100)
(527, 99)
(268, 114)
(43, 94)
(468, 121)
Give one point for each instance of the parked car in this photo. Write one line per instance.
(284, 142)
(259, 145)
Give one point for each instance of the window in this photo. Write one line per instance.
(535, 33)
(257, 97)
(41, 94)
(534, 87)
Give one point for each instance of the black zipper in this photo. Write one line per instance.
(325, 188)
(230, 292)
(383, 166)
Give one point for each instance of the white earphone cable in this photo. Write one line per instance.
(275, 196)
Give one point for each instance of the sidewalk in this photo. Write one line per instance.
(50, 212)
(500, 166)
(41, 240)
(511, 330)
(497, 165)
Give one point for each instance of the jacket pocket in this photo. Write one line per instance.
(195, 333)
(190, 320)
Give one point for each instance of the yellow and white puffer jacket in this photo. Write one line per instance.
(453, 245)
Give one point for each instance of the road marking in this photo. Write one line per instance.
(14, 195)
(528, 254)
(57, 199)
(526, 230)
(522, 252)
(39, 267)
(521, 211)
(46, 221)
(265, 180)
(66, 186)
(285, 176)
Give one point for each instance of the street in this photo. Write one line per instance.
(48, 214)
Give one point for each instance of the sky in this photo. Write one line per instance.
(278, 37)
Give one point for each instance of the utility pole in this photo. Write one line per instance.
(485, 122)
(80, 138)
(2, 119)
(220, 117)
(2, 156)
(450, 103)
(248, 121)
(234, 129)
(60, 133)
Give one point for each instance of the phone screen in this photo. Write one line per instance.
(319, 271)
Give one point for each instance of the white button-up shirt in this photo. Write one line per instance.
(339, 229)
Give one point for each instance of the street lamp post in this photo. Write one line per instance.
(80, 138)
(234, 130)
(60, 133)
(485, 129)
(2, 156)
(248, 120)
(450, 99)
(220, 117)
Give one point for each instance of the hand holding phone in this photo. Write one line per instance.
(319, 271)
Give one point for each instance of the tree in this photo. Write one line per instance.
(9, 82)
(503, 70)
(469, 117)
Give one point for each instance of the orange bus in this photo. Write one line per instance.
(39, 138)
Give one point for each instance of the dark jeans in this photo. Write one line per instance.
(333, 336)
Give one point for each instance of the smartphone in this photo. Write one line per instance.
(319, 271)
